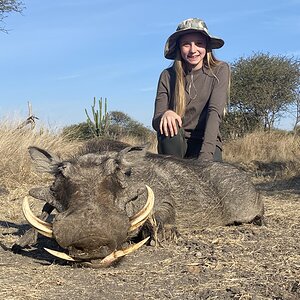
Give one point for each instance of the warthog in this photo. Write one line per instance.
(101, 198)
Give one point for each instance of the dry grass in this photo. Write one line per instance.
(273, 154)
(264, 146)
(15, 163)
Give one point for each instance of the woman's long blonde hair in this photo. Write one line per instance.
(179, 65)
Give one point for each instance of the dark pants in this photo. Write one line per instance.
(181, 147)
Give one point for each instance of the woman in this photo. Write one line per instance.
(191, 95)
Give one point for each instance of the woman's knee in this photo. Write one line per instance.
(175, 145)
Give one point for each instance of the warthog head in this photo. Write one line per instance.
(98, 211)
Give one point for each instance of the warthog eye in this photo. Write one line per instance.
(61, 170)
(53, 191)
(128, 173)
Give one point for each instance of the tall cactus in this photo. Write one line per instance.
(99, 122)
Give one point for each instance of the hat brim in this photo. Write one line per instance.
(171, 44)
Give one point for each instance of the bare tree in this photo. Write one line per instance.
(30, 120)
(7, 6)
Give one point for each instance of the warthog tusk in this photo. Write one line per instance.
(41, 226)
(61, 255)
(140, 217)
(105, 262)
(108, 260)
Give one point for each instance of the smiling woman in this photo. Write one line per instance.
(191, 95)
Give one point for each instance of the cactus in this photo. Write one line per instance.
(99, 124)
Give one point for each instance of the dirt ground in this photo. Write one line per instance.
(235, 262)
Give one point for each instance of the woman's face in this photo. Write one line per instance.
(193, 49)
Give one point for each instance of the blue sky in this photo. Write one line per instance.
(61, 54)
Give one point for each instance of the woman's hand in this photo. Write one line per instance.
(169, 123)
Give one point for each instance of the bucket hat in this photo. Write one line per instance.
(188, 26)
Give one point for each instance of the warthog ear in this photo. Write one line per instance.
(126, 159)
(44, 161)
(132, 155)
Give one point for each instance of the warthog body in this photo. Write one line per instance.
(97, 192)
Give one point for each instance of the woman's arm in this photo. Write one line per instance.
(165, 120)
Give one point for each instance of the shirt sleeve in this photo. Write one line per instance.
(162, 100)
(216, 105)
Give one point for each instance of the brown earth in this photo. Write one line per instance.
(235, 262)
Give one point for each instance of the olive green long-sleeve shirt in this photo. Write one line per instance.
(206, 97)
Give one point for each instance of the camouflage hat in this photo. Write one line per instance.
(188, 26)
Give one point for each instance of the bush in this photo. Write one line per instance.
(237, 124)
(79, 131)
(123, 125)
(120, 126)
